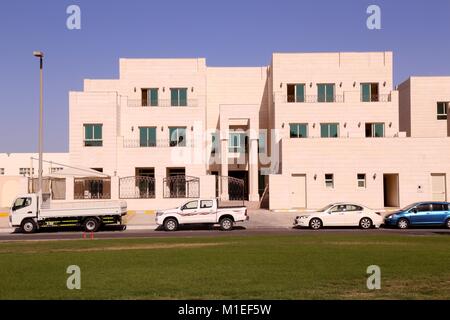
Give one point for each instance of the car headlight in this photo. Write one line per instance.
(389, 216)
(303, 217)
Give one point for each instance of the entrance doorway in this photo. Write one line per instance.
(298, 191)
(243, 175)
(391, 191)
(438, 187)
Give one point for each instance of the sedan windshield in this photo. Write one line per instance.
(409, 207)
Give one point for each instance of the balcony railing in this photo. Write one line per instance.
(338, 98)
(159, 143)
(376, 98)
(139, 103)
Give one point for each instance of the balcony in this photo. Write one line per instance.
(376, 98)
(159, 143)
(311, 99)
(166, 103)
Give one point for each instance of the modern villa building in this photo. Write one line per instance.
(304, 131)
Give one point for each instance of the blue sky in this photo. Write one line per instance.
(226, 33)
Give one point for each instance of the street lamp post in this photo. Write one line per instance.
(40, 55)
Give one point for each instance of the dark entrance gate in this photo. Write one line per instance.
(236, 189)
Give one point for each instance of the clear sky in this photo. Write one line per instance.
(226, 33)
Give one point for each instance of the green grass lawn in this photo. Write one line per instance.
(313, 266)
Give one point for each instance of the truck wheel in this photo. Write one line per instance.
(170, 224)
(91, 225)
(226, 224)
(29, 226)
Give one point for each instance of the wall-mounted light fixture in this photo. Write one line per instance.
(340, 85)
(390, 124)
(192, 128)
(374, 176)
(384, 84)
(310, 84)
(345, 124)
(134, 89)
(314, 125)
(281, 84)
(354, 84)
(315, 176)
(162, 128)
(359, 124)
(192, 89)
(164, 89)
(132, 129)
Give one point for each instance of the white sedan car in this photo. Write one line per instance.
(341, 215)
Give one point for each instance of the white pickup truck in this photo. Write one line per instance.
(201, 211)
(28, 214)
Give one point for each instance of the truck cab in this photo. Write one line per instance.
(24, 212)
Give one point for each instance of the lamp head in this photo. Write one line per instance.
(38, 54)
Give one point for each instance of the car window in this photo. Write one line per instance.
(423, 207)
(22, 203)
(205, 204)
(352, 207)
(339, 208)
(191, 205)
(438, 207)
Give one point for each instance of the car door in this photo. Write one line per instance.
(421, 214)
(21, 209)
(439, 213)
(189, 212)
(353, 215)
(336, 216)
(206, 213)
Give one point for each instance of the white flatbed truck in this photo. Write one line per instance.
(29, 213)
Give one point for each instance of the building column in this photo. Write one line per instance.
(253, 170)
(224, 169)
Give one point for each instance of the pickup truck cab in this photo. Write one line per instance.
(29, 213)
(201, 211)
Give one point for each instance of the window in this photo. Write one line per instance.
(369, 92)
(214, 143)
(21, 203)
(442, 108)
(150, 97)
(147, 136)
(361, 180)
(425, 207)
(206, 204)
(237, 142)
(374, 130)
(329, 130)
(93, 135)
(56, 169)
(177, 136)
(439, 207)
(325, 92)
(296, 93)
(298, 130)
(178, 97)
(329, 180)
(2, 171)
(191, 205)
(262, 142)
(26, 171)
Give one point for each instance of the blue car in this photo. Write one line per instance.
(420, 214)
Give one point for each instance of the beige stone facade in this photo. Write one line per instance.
(303, 131)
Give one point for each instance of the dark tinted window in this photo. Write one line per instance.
(439, 207)
(423, 207)
(352, 207)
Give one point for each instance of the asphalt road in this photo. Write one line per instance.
(202, 232)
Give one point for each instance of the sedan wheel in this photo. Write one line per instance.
(447, 223)
(315, 224)
(365, 223)
(403, 224)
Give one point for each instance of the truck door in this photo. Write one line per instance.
(189, 212)
(206, 211)
(22, 208)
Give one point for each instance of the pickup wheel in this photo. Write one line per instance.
(28, 226)
(170, 224)
(91, 225)
(226, 224)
